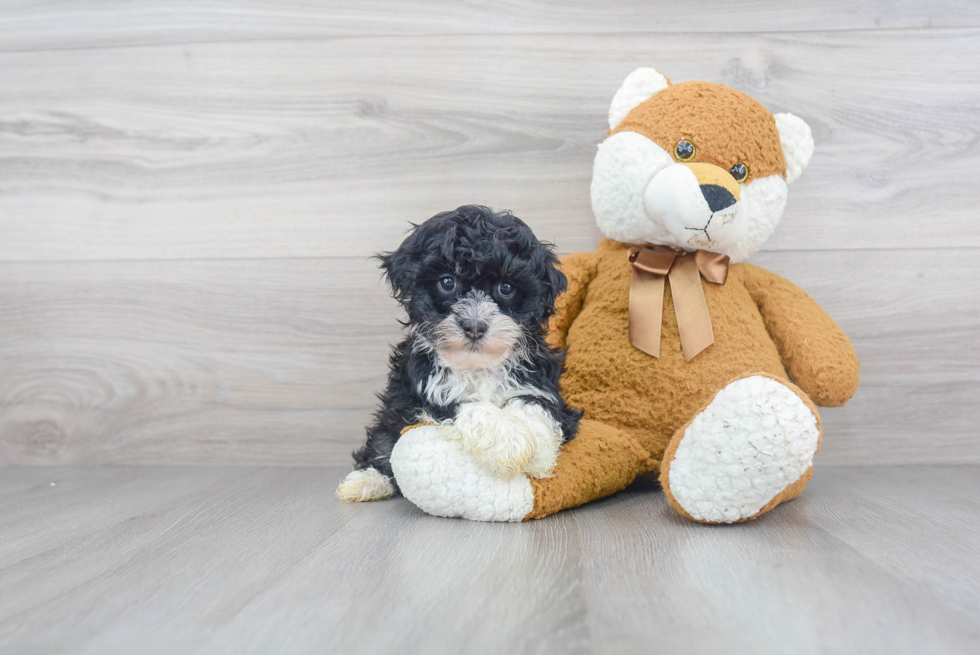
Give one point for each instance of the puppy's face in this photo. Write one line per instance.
(475, 285)
(477, 332)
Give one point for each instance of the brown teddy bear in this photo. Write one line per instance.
(689, 366)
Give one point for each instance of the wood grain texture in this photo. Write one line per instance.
(276, 361)
(218, 560)
(31, 25)
(189, 193)
(151, 362)
(301, 148)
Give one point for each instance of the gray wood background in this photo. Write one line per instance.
(189, 194)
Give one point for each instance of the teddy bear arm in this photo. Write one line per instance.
(579, 268)
(817, 354)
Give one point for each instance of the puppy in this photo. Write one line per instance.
(478, 288)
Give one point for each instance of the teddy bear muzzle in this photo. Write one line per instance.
(699, 204)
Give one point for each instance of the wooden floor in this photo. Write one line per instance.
(266, 560)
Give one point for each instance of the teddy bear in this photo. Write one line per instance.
(692, 368)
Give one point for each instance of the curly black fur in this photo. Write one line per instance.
(480, 248)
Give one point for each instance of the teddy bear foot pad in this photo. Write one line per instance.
(754, 440)
(437, 476)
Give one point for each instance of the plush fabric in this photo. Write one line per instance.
(636, 89)
(731, 433)
(638, 190)
(825, 367)
(730, 127)
(635, 404)
(620, 385)
(758, 425)
(600, 461)
(441, 479)
(797, 144)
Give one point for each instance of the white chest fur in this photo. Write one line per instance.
(496, 385)
(504, 436)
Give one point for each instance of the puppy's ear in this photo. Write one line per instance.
(554, 280)
(401, 267)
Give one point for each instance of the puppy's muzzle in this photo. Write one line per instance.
(473, 328)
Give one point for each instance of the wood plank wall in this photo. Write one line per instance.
(189, 194)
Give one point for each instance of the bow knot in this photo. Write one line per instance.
(651, 266)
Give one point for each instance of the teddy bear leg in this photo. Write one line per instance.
(598, 462)
(749, 450)
(437, 475)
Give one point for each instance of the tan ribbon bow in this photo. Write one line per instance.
(651, 264)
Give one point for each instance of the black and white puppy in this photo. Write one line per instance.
(478, 288)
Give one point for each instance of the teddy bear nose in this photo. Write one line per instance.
(474, 328)
(718, 197)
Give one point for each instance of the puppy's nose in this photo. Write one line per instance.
(718, 197)
(474, 328)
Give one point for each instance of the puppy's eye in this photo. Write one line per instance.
(505, 289)
(685, 150)
(739, 172)
(447, 283)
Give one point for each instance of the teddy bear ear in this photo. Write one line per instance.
(797, 142)
(640, 85)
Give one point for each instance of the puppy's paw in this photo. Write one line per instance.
(537, 426)
(364, 485)
(518, 438)
(489, 435)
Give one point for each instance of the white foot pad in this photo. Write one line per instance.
(756, 438)
(435, 474)
(365, 484)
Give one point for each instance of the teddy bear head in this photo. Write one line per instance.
(696, 165)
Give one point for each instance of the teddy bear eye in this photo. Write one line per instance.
(685, 150)
(739, 172)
